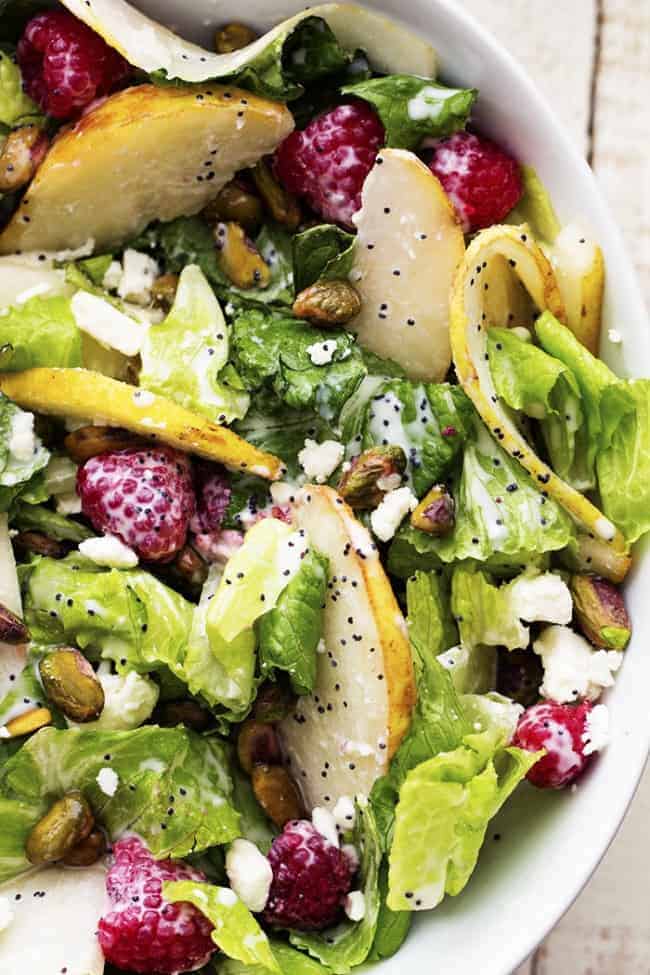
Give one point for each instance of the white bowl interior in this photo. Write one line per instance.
(549, 843)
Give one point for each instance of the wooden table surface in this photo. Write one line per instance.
(591, 58)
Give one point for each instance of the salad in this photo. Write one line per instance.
(316, 500)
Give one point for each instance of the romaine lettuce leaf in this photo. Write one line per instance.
(392, 926)
(290, 632)
(271, 352)
(322, 253)
(428, 421)
(413, 108)
(624, 466)
(151, 763)
(274, 427)
(535, 208)
(41, 332)
(236, 932)
(529, 380)
(291, 962)
(349, 943)
(18, 819)
(16, 108)
(22, 455)
(484, 612)
(183, 356)
(38, 518)
(253, 822)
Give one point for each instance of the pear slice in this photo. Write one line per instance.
(580, 272)
(54, 925)
(150, 46)
(469, 321)
(83, 395)
(341, 738)
(408, 247)
(147, 153)
(9, 588)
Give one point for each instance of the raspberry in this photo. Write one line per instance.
(329, 160)
(212, 497)
(141, 932)
(311, 878)
(218, 546)
(145, 497)
(481, 180)
(561, 730)
(65, 65)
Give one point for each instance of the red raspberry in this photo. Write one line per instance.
(143, 933)
(481, 180)
(329, 160)
(560, 729)
(65, 65)
(145, 497)
(213, 493)
(311, 878)
(218, 546)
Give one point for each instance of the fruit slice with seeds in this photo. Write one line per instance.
(146, 153)
(83, 395)
(580, 271)
(408, 247)
(341, 738)
(469, 321)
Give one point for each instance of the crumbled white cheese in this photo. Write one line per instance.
(355, 905)
(43, 288)
(249, 873)
(321, 353)
(596, 733)
(543, 598)
(614, 336)
(68, 503)
(109, 551)
(129, 699)
(227, 897)
(282, 493)
(105, 323)
(319, 460)
(6, 914)
(572, 668)
(390, 482)
(108, 781)
(325, 824)
(139, 273)
(389, 514)
(22, 440)
(344, 814)
(113, 276)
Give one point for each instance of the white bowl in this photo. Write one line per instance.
(549, 843)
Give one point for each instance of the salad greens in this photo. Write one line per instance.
(41, 332)
(323, 253)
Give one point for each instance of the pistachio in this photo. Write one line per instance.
(189, 565)
(88, 851)
(12, 628)
(370, 475)
(87, 442)
(187, 712)
(257, 744)
(276, 794)
(232, 37)
(72, 685)
(239, 259)
(40, 544)
(20, 157)
(436, 513)
(235, 203)
(163, 291)
(282, 206)
(28, 722)
(601, 612)
(328, 303)
(273, 702)
(67, 823)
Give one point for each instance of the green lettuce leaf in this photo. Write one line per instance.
(236, 931)
(272, 352)
(16, 108)
(312, 52)
(291, 962)
(485, 612)
(413, 109)
(392, 926)
(96, 267)
(253, 822)
(535, 208)
(428, 421)
(624, 466)
(41, 332)
(151, 764)
(38, 518)
(350, 942)
(444, 809)
(290, 632)
(18, 819)
(273, 427)
(184, 355)
(529, 380)
(323, 253)
(19, 465)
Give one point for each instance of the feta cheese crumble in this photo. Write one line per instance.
(22, 440)
(249, 873)
(596, 734)
(138, 274)
(320, 460)
(68, 503)
(614, 336)
(108, 781)
(572, 668)
(321, 353)
(325, 823)
(6, 914)
(129, 699)
(391, 512)
(107, 324)
(109, 551)
(355, 905)
(344, 814)
(543, 598)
